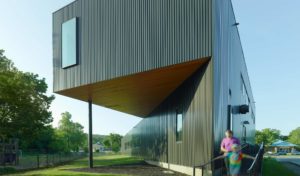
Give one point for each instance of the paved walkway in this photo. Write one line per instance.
(292, 167)
(291, 162)
(292, 159)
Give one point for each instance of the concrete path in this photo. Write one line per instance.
(292, 167)
(292, 159)
(291, 162)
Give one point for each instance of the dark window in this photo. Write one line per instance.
(229, 117)
(244, 133)
(69, 43)
(179, 124)
(245, 96)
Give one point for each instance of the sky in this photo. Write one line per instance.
(270, 35)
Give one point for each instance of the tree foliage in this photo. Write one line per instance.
(113, 141)
(97, 138)
(24, 105)
(267, 136)
(71, 132)
(294, 136)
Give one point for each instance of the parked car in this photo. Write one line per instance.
(269, 153)
(295, 153)
(280, 153)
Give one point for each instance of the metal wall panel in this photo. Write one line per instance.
(122, 37)
(229, 66)
(154, 138)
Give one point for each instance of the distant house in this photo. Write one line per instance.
(98, 147)
(280, 145)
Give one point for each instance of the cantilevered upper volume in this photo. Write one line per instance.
(121, 53)
(179, 64)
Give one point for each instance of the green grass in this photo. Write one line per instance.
(272, 167)
(103, 160)
(6, 170)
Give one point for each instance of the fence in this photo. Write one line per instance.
(256, 167)
(33, 161)
(252, 168)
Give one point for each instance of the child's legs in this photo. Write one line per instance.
(234, 170)
(226, 161)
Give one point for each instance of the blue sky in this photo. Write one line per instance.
(270, 34)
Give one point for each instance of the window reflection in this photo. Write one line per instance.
(179, 121)
(69, 43)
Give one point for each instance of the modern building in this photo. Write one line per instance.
(178, 64)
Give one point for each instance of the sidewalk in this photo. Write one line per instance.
(293, 167)
(291, 162)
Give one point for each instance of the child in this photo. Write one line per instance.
(235, 157)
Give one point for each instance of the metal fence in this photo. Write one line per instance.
(249, 168)
(37, 160)
(256, 167)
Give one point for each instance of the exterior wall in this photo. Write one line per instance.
(154, 138)
(228, 67)
(122, 37)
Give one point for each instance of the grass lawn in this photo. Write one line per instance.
(103, 160)
(272, 167)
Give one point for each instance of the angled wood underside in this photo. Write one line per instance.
(137, 94)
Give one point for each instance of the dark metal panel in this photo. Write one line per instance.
(154, 138)
(229, 66)
(121, 37)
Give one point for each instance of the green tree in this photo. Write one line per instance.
(71, 133)
(294, 136)
(43, 140)
(107, 143)
(113, 141)
(5, 63)
(267, 136)
(24, 105)
(98, 138)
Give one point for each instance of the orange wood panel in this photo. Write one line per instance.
(136, 94)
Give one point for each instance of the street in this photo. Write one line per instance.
(291, 162)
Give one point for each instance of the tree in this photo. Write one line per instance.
(294, 136)
(24, 105)
(113, 141)
(71, 133)
(267, 136)
(43, 140)
(107, 143)
(5, 63)
(98, 138)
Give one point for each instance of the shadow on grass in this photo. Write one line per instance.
(66, 169)
(107, 161)
(7, 170)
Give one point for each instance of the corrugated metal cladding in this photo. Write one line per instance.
(229, 68)
(154, 138)
(121, 37)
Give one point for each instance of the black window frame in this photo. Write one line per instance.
(76, 43)
(179, 134)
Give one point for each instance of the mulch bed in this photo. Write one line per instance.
(143, 169)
